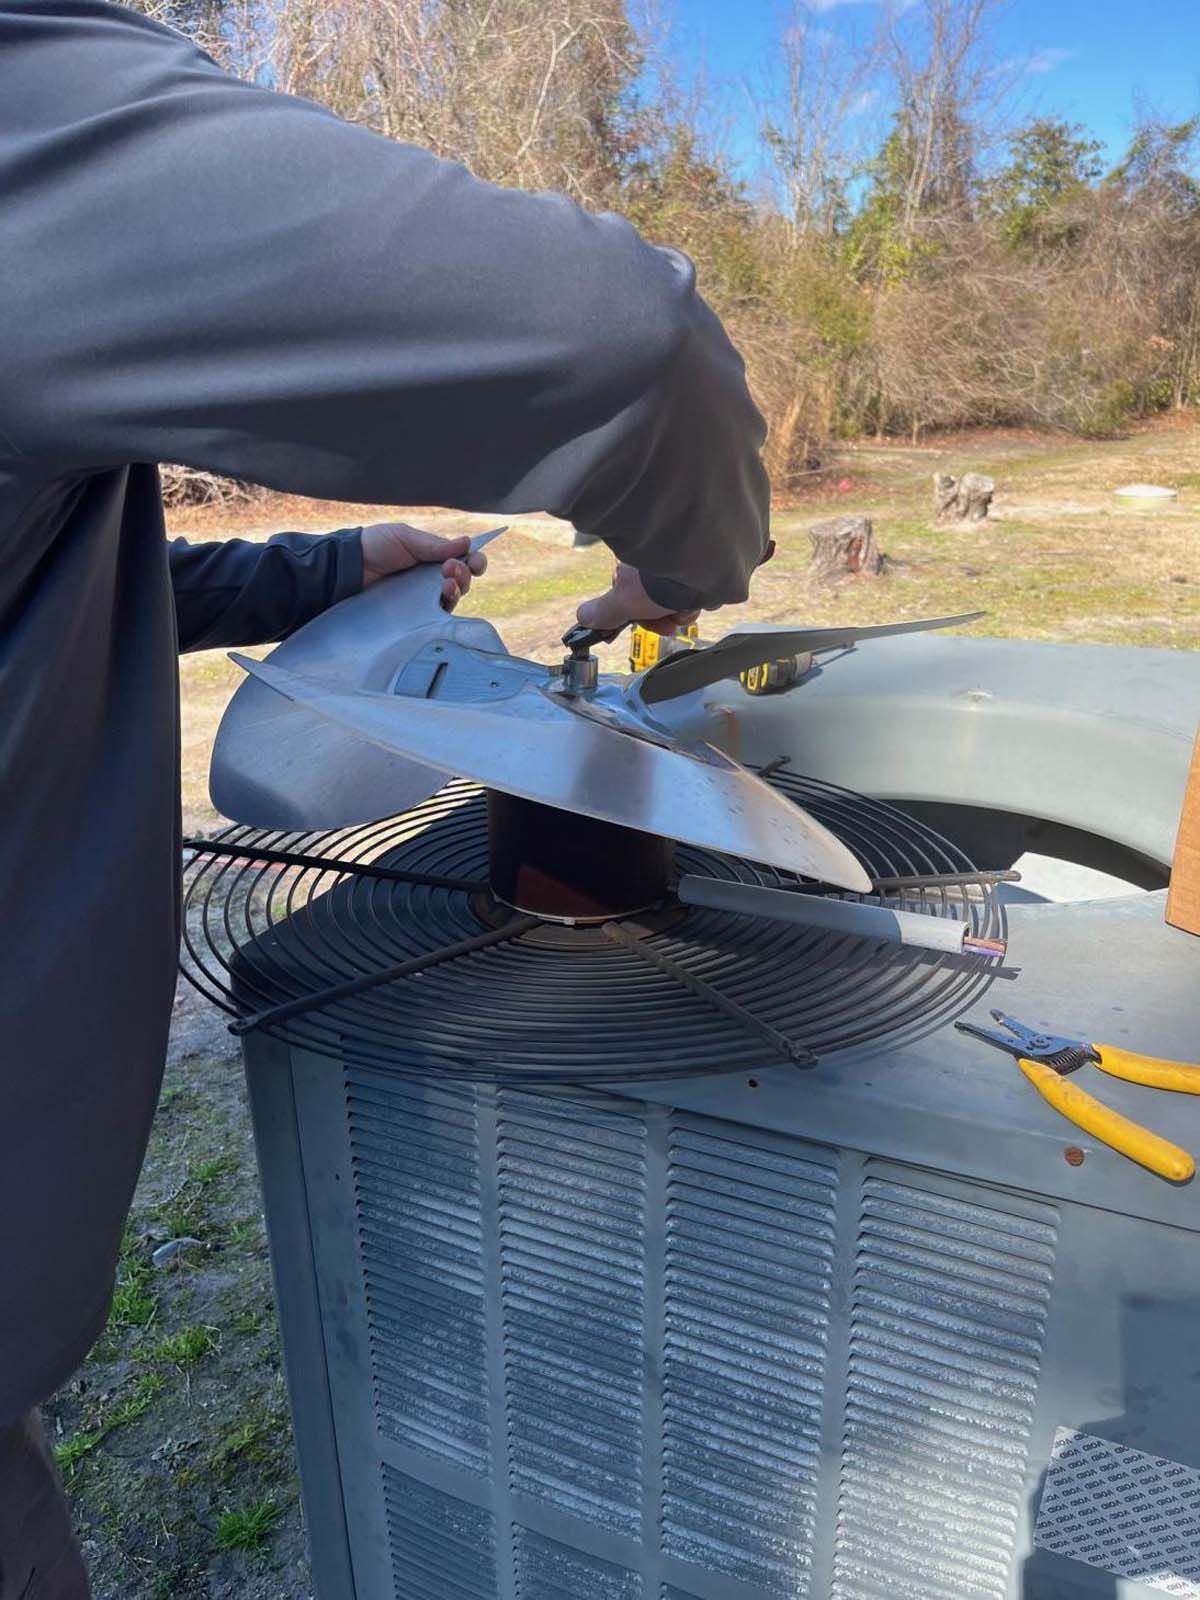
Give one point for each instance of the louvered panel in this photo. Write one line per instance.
(750, 1230)
(416, 1176)
(547, 1570)
(442, 1548)
(571, 1217)
(951, 1293)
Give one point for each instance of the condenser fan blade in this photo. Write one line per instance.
(277, 764)
(754, 644)
(534, 746)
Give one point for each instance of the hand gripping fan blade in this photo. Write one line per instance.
(541, 750)
(751, 645)
(276, 764)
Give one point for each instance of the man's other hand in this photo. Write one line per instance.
(390, 547)
(627, 601)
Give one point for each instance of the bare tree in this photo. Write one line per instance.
(233, 32)
(918, 289)
(942, 74)
(526, 92)
(816, 121)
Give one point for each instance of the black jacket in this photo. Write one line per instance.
(196, 270)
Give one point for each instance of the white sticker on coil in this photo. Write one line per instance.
(1126, 1512)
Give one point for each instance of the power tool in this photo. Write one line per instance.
(647, 648)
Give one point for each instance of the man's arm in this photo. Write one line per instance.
(237, 592)
(197, 270)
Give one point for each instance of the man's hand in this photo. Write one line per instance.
(627, 601)
(390, 547)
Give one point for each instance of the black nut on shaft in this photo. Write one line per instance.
(581, 670)
(580, 639)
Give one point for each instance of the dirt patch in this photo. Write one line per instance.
(174, 1437)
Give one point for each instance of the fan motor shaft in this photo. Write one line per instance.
(565, 867)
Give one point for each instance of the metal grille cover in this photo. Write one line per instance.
(416, 1168)
(620, 1352)
(946, 1328)
(572, 1217)
(1124, 1511)
(552, 1005)
(749, 1277)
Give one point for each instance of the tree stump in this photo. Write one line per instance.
(965, 499)
(844, 547)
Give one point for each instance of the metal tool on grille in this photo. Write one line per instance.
(370, 708)
(1048, 1059)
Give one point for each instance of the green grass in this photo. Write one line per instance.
(72, 1451)
(206, 1173)
(180, 1100)
(126, 1409)
(180, 1415)
(1089, 579)
(135, 1304)
(256, 1444)
(178, 1221)
(245, 1234)
(136, 1404)
(248, 1527)
(189, 1345)
(248, 1440)
(186, 1212)
(254, 1440)
(247, 1322)
(567, 582)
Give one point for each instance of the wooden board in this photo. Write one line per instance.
(1183, 900)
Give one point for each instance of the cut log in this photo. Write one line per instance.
(844, 547)
(965, 499)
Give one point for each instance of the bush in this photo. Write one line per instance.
(188, 486)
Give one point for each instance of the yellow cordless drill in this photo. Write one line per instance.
(646, 648)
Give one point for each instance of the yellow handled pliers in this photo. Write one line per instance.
(1047, 1059)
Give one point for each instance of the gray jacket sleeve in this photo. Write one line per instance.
(236, 592)
(237, 280)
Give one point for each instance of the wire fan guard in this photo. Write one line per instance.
(552, 1004)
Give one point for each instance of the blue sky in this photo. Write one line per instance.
(1086, 60)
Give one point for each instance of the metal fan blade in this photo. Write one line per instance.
(276, 764)
(751, 645)
(532, 747)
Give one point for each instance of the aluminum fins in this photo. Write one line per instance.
(536, 747)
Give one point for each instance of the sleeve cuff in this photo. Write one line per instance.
(667, 592)
(348, 564)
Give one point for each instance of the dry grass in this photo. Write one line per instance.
(1060, 558)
